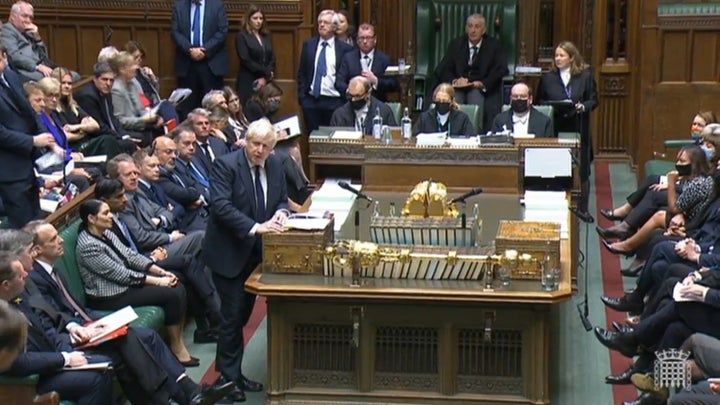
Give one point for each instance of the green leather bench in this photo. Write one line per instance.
(661, 167)
(396, 109)
(148, 317)
(439, 21)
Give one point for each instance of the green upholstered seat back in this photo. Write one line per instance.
(474, 112)
(545, 109)
(396, 110)
(439, 21)
(68, 262)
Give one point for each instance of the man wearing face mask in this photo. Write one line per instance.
(522, 118)
(361, 107)
(444, 115)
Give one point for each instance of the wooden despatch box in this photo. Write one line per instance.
(296, 251)
(534, 238)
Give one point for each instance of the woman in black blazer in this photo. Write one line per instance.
(254, 48)
(571, 79)
(444, 116)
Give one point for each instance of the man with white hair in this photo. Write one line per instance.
(319, 62)
(248, 199)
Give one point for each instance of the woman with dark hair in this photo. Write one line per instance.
(264, 103)
(343, 30)
(81, 129)
(445, 116)
(115, 276)
(570, 78)
(236, 119)
(254, 48)
(691, 189)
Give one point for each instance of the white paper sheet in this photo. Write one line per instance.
(548, 162)
(290, 124)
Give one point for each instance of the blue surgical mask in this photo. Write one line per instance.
(709, 152)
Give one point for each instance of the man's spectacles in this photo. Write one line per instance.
(363, 39)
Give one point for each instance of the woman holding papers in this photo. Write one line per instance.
(444, 116)
(82, 130)
(115, 276)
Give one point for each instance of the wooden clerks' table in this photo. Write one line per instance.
(398, 166)
(411, 341)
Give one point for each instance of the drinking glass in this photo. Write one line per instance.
(401, 65)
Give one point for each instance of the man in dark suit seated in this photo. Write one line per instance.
(176, 183)
(361, 108)
(320, 59)
(199, 30)
(522, 118)
(46, 353)
(96, 100)
(13, 333)
(151, 372)
(207, 147)
(150, 224)
(369, 62)
(249, 199)
(475, 64)
(186, 147)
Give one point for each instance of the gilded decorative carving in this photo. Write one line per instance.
(405, 382)
(324, 379)
(587, 35)
(490, 385)
(613, 85)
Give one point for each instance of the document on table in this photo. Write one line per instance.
(114, 321)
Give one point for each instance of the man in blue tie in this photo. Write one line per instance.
(199, 30)
(248, 199)
(319, 62)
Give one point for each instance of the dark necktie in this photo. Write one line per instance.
(320, 71)
(126, 233)
(109, 116)
(259, 197)
(78, 309)
(206, 151)
(474, 56)
(366, 62)
(36, 327)
(196, 24)
(199, 176)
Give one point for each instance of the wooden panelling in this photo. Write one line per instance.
(675, 54)
(704, 57)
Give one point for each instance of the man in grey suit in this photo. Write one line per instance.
(28, 53)
(150, 224)
(249, 199)
(361, 108)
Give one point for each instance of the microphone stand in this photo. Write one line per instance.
(581, 211)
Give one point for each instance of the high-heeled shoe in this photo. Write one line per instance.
(610, 214)
(610, 233)
(616, 251)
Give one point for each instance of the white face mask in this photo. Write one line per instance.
(709, 152)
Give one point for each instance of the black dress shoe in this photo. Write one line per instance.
(609, 233)
(193, 362)
(633, 271)
(624, 343)
(616, 251)
(211, 394)
(608, 213)
(235, 394)
(250, 385)
(622, 378)
(622, 328)
(622, 304)
(645, 399)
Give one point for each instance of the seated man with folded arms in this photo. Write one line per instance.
(475, 64)
(361, 108)
(522, 118)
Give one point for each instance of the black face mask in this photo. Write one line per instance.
(519, 106)
(358, 104)
(684, 170)
(273, 106)
(442, 108)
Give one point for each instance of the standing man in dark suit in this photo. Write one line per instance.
(475, 64)
(522, 118)
(361, 108)
(318, 93)
(249, 199)
(199, 30)
(369, 62)
(21, 140)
